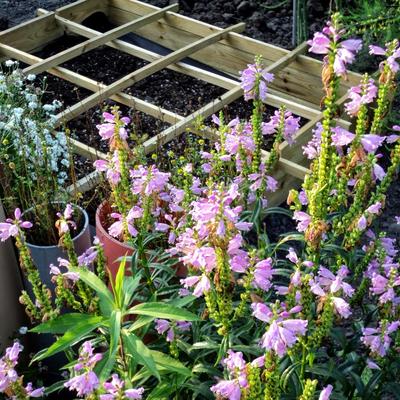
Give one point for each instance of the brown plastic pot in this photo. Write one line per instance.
(113, 248)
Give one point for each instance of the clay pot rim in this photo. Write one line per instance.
(84, 228)
(100, 226)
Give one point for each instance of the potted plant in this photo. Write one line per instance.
(143, 203)
(34, 165)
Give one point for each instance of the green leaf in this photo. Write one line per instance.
(162, 391)
(163, 310)
(71, 337)
(119, 283)
(63, 323)
(115, 331)
(92, 280)
(140, 352)
(129, 288)
(169, 364)
(142, 321)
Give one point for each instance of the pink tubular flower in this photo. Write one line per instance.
(362, 223)
(341, 137)
(313, 148)
(374, 208)
(11, 227)
(202, 287)
(31, 392)
(326, 393)
(254, 81)
(162, 326)
(64, 221)
(371, 142)
(263, 274)
(320, 44)
(135, 394)
(262, 312)
(303, 220)
(360, 95)
(282, 335)
(227, 389)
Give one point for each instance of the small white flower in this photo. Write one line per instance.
(9, 63)
(22, 330)
(31, 77)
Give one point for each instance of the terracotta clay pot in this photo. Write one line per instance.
(113, 248)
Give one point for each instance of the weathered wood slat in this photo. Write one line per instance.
(142, 73)
(32, 35)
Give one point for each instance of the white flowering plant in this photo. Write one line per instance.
(34, 159)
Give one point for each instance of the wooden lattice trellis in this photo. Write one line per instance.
(297, 81)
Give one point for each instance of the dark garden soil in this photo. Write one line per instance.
(264, 21)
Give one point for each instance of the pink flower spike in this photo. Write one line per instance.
(303, 220)
(108, 117)
(319, 44)
(202, 287)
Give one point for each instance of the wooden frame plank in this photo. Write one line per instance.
(97, 41)
(34, 34)
(142, 73)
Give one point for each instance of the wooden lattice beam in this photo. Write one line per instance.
(97, 41)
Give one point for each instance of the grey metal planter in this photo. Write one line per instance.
(12, 314)
(43, 256)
